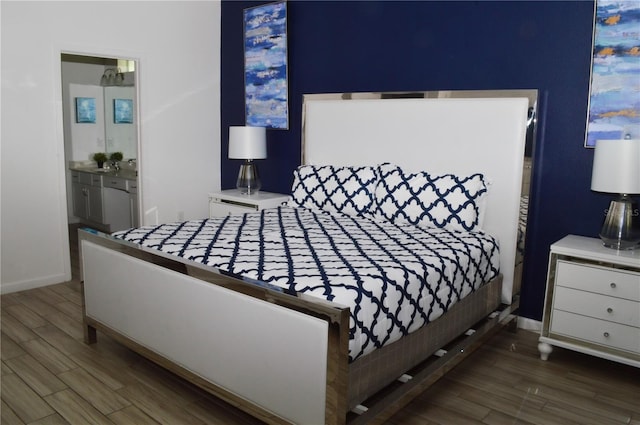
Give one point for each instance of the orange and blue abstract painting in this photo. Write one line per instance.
(265, 66)
(614, 102)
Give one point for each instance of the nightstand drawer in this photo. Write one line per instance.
(602, 280)
(222, 209)
(233, 201)
(596, 331)
(597, 306)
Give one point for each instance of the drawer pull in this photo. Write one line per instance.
(613, 285)
(609, 310)
(606, 334)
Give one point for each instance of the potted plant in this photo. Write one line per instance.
(100, 158)
(115, 156)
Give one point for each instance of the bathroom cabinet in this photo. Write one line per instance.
(104, 200)
(87, 197)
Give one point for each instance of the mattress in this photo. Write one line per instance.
(395, 279)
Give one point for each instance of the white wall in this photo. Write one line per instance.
(177, 46)
(85, 138)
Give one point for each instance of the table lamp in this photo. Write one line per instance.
(248, 143)
(616, 169)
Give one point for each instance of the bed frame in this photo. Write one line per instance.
(282, 358)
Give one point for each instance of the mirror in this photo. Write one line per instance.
(120, 136)
(112, 126)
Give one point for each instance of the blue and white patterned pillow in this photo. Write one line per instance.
(446, 201)
(347, 190)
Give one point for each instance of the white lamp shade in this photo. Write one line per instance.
(247, 142)
(616, 166)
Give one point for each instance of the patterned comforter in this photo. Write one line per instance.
(394, 279)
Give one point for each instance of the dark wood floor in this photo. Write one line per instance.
(49, 376)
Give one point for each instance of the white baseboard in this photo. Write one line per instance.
(7, 288)
(529, 324)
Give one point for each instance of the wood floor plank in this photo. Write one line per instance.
(49, 356)
(517, 407)
(448, 400)
(15, 329)
(34, 374)
(66, 324)
(131, 415)
(48, 295)
(54, 419)
(71, 309)
(157, 406)
(442, 415)
(8, 347)
(584, 416)
(26, 316)
(216, 412)
(35, 304)
(165, 382)
(24, 402)
(94, 391)
(75, 409)
(101, 368)
(8, 416)
(498, 418)
(60, 340)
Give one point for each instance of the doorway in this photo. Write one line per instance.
(107, 86)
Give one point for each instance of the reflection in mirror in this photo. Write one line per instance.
(119, 128)
(83, 76)
(530, 94)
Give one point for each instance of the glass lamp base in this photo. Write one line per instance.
(621, 229)
(248, 179)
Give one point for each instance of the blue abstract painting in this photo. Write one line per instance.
(265, 66)
(85, 110)
(614, 102)
(123, 111)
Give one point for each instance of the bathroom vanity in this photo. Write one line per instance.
(105, 199)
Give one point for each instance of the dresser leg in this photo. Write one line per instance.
(545, 349)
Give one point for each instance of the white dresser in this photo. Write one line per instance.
(232, 201)
(592, 303)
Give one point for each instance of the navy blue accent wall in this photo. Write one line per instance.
(429, 45)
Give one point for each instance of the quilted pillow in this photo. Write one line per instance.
(446, 201)
(347, 190)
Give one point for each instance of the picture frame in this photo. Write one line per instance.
(85, 110)
(265, 66)
(614, 106)
(123, 111)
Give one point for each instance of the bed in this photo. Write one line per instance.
(271, 341)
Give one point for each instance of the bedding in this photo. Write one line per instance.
(347, 190)
(445, 201)
(394, 277)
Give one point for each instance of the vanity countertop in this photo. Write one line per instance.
(123, 173)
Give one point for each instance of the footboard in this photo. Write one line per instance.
(280, 357)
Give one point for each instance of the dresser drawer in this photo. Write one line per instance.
(601, 332)
(601, 280)
(597, 306)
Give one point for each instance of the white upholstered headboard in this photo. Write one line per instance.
(442, 135)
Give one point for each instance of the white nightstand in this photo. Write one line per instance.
(231, 201)
(592, 304)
